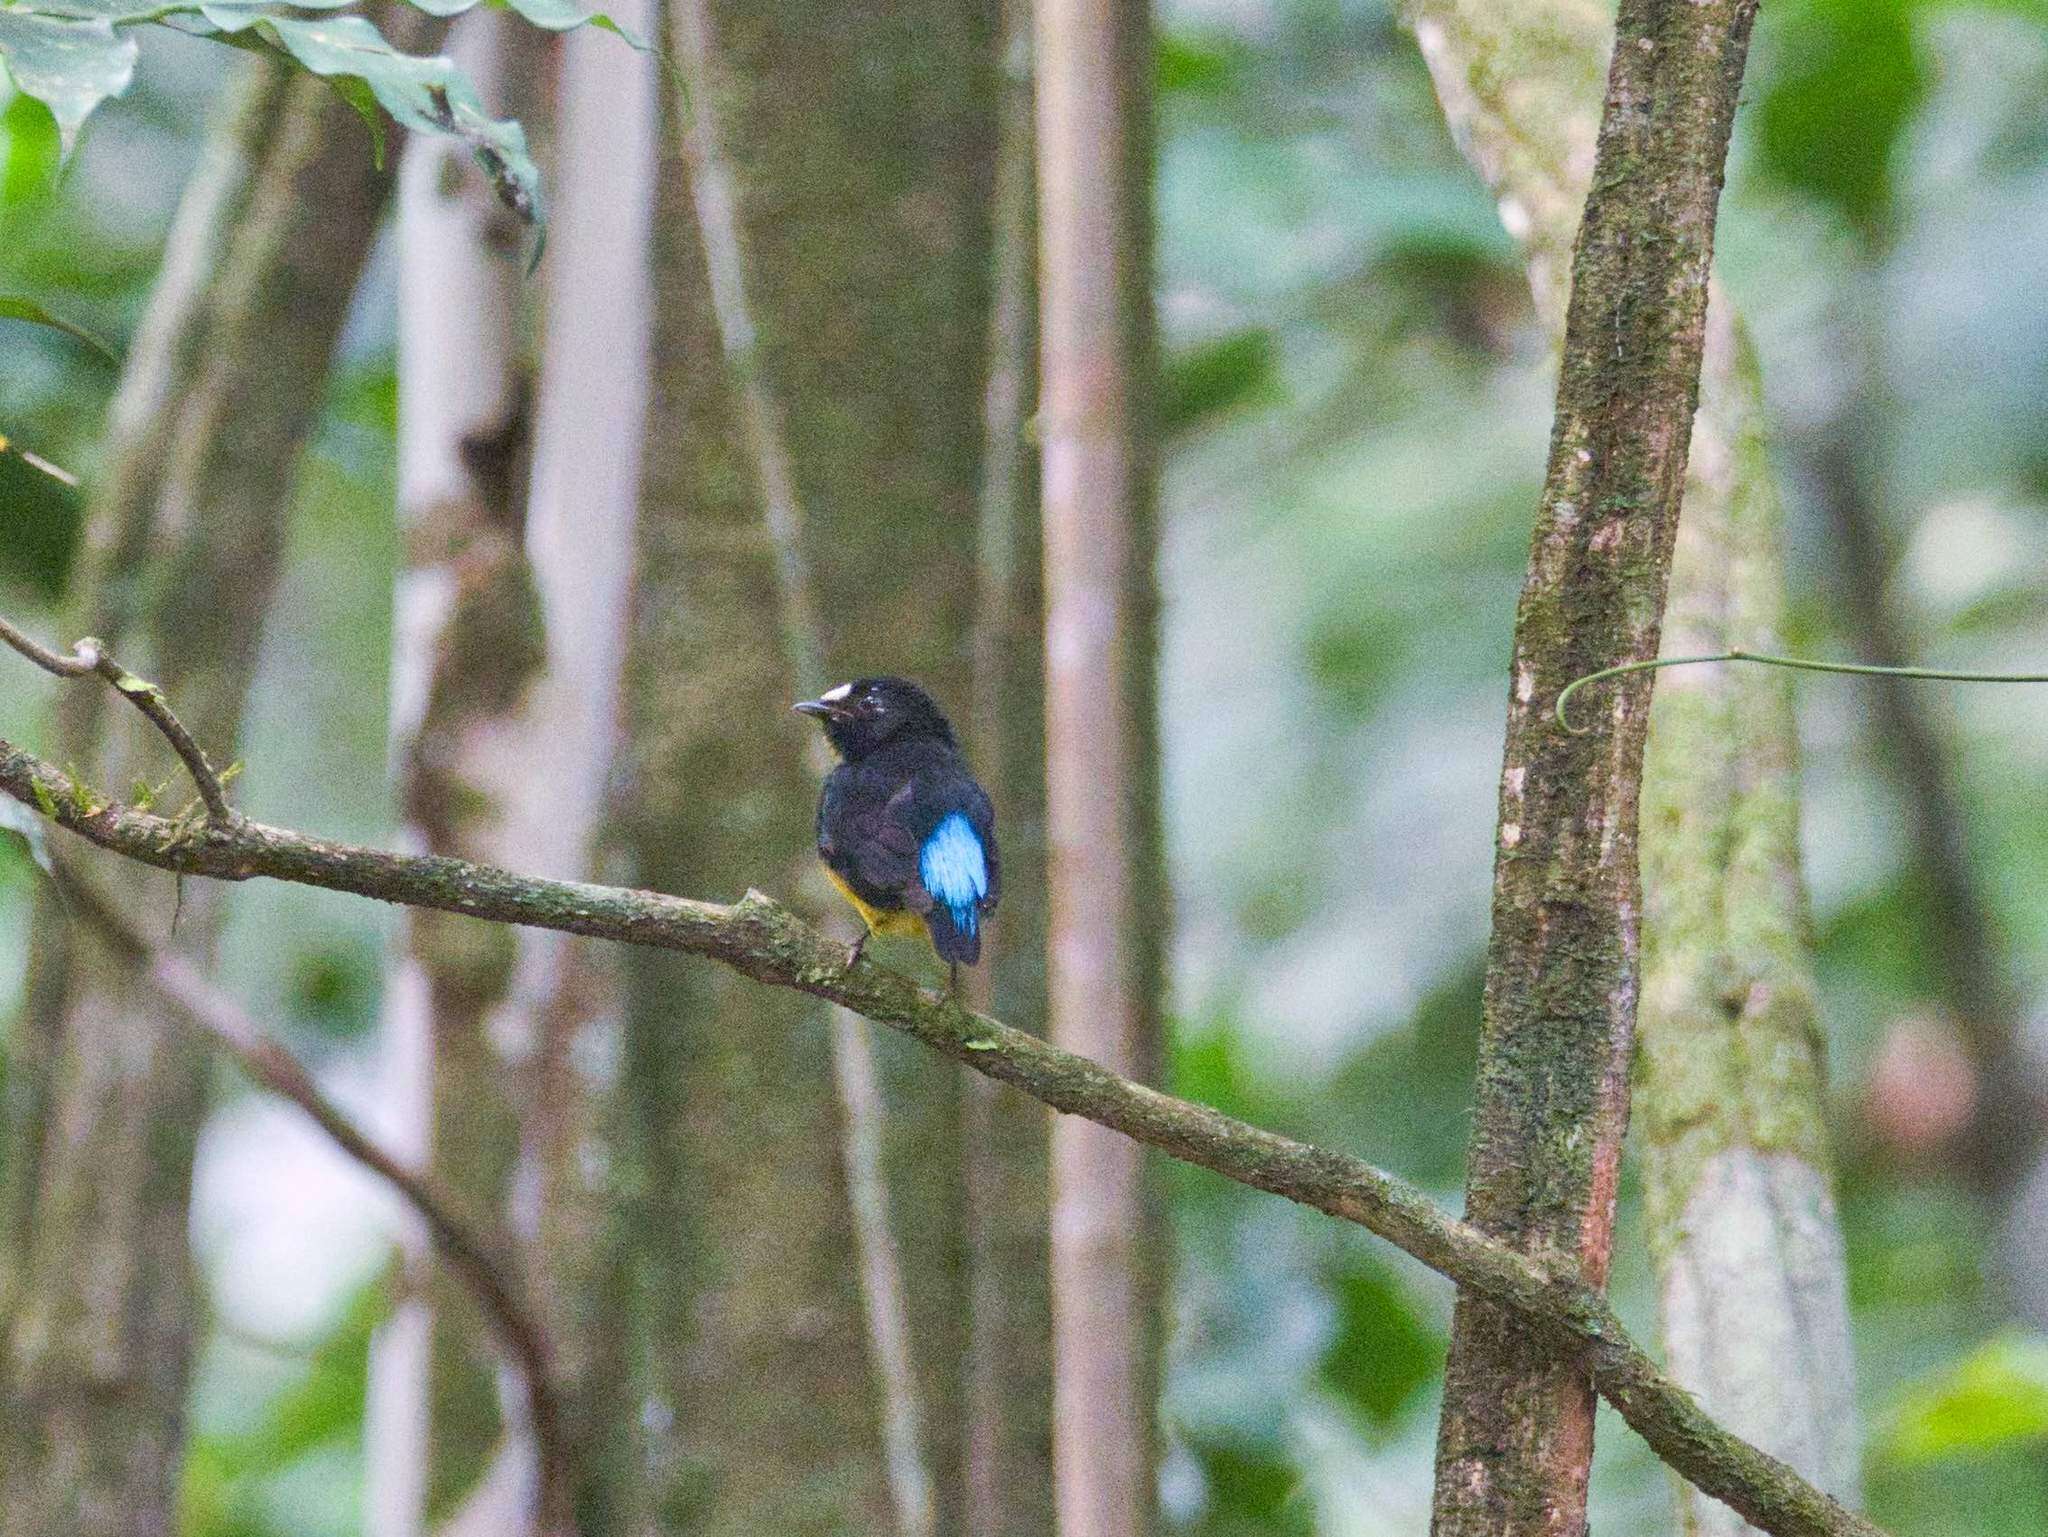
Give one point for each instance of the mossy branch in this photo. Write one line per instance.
(761, 939)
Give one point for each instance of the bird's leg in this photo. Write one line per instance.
(953, 987)
(860, 944)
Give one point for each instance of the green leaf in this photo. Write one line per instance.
(69, 65)
(1994, 1397)
(30, 153)
(427, 95)
(566, 15)
(115, 11)
(14, 307)
(1831, 118)
(1383, 1353)
(1216, 376)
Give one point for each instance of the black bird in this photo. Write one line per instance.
(906, 834)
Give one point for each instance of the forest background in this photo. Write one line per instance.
(1354, 394)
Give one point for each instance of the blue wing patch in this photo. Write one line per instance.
(954, 869)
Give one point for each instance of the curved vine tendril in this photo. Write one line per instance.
(1799, 663)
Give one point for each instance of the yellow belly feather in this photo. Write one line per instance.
(898, 922)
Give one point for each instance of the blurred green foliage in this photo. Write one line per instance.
(239, 1480)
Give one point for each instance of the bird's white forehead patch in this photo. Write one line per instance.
(834, 695)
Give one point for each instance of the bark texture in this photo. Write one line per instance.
(1106, 894)
(1730, 1088)
(1515, 1444)
(826, 231)
(758, 938)
(1753, 1288)
(185, 536)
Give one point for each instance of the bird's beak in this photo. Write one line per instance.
(816, 707)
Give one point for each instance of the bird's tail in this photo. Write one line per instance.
(956, 932)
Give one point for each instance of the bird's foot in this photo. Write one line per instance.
(853, 952)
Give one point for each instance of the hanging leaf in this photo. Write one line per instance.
(427, 95)
(567, 15)
(70, 64)
(13, 307)
(69, 55)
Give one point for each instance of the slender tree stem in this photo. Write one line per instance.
(1106, 900)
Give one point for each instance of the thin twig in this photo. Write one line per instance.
(470, 1256)
(89, 656)
(765, 941)
(1799, 663)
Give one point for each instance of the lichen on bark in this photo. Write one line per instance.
(1729, 1093)
(1732, 1080)
(1552, 1105)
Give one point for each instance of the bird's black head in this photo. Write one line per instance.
(867, 713)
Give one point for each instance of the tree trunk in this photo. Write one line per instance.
(762, 1417)
(1107, 894)
(856, 352)
(184, 542)
(1008, 1444)
(468, 650)
(590, 424)
(1515, 1445)
(510, 652)
(1731, 1088)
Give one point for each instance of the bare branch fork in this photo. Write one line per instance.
(89, 656)
(761, 939)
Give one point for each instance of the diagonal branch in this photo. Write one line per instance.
(475, 1260)
(763, 940)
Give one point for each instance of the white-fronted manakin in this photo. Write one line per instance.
(905, 832)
